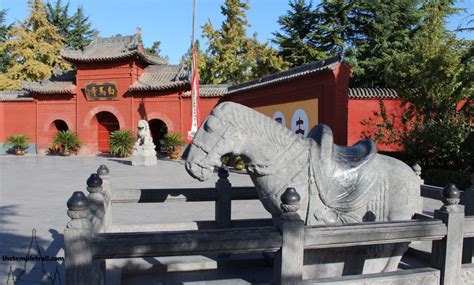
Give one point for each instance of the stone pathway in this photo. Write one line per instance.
(33, 195)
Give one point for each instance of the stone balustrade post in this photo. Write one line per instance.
(223, 204)
(446, 254)
(288, 261)
(96, 202)
(104, 174)
(468, 201)
(77, 242)
(417, 169)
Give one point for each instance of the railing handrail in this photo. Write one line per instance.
(317, 237)
(156, 195)
(125, 245)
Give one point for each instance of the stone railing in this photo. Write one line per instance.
(88, 240)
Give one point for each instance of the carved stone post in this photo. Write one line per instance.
(77, 241)
(103, 173)
(447, 253)
(96, 202)
(288, 262)
(468, 201)
(417, 169)
(223, 206)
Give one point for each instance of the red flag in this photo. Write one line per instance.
(195, 94)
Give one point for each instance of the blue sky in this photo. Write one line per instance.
(170, 21)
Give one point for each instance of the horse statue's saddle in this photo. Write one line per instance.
(344, 176)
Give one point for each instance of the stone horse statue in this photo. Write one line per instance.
(337, 185)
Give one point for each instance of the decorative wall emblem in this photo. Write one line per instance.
(280, 118)
(101, 91)
(299, 123)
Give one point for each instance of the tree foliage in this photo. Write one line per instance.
(435, 79)
(232, 57)
(58, 15)
(34, 47)
(295, 41)
(81, 32)
(155, 50)
(4, 54)
(368, 33)
(76, 30)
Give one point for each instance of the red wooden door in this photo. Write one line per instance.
(107, 124)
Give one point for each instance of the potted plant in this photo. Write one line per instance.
(239, 163)
(171, 142)
(67, 141)
(18, 142)
(121, 143)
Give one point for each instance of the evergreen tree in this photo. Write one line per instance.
(4, 53)
(231, 54)
(381, 30)
(435, 77)
(332, 31)
(58, 15)
(34, 46)
(155, 50)
(294, 40)
(76, 30)
(81, 32)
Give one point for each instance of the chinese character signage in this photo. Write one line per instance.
(101, 91)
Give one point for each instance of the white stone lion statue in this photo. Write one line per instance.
(144, 149)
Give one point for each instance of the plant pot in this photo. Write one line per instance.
(66, 153)
(173, 155)
(19, 152)
(240, 165)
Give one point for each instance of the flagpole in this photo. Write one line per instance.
(194, 84)
(194, 21)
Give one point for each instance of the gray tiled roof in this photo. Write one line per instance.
(210, 90)
(107, 49)
(61, 82)
(372, 93)
(6, 96)
(161, 77)
(304, 70)
(49, 87)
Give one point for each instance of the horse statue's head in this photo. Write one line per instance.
(217, 136)
(269, 149)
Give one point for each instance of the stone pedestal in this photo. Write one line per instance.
(143, 159)
(144, 150)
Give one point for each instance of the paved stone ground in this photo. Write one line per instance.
(33, 195)
(34, 191)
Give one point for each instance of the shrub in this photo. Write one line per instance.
(172, 140)
(66, 141)
(441, 177)
(121, 143)
(18, 142)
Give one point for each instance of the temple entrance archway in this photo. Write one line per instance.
(58, 125)
(158, 130)
(107, 123)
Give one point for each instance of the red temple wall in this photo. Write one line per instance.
(18, 118)
(322, 86)
(362, 110)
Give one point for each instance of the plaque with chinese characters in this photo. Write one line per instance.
(101, 91)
